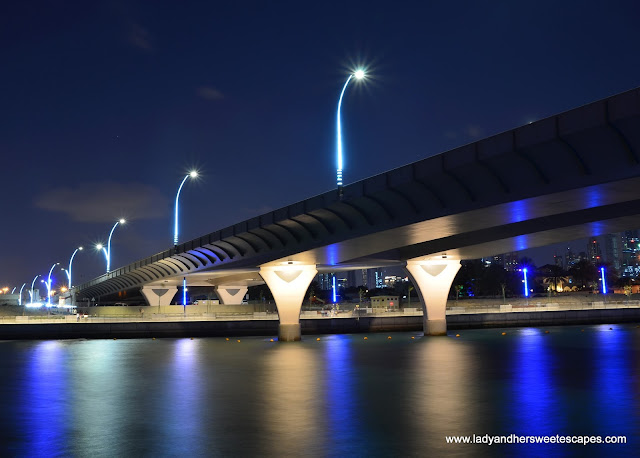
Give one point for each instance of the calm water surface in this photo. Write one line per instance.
(340, 396)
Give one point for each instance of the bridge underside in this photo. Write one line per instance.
(576, 174)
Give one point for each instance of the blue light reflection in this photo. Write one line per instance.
(45, 407)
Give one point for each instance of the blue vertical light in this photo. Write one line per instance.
(604, 282)
(335, 297)
(339, 135)
(184, 291)
(526, 284)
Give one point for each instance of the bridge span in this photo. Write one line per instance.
(572, 175)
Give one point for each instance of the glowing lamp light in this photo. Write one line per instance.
(526, 284)
(184, 291)
(334, 295)
(604, 282)
(359, 74)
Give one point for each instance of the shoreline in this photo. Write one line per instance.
(350, 325)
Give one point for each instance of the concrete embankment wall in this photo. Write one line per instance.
(551, 318)
(145, 329)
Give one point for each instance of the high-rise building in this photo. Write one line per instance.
(570, 258)
(594, 253)
(558, 261)
(497, 260)
(630, 266)
(375, 278)
(325, 281)
(510, 261)
(612, 250)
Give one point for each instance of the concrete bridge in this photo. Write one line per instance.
(572, 175)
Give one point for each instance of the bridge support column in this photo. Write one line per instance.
(231, 294)
(159, 295)
(288, 284)
(432, 279)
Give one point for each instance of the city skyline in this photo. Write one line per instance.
(106, 108)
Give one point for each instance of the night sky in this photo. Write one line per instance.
(107, 105)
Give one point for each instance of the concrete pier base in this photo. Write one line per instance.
(289, 332)
(435, 327)
(288, 283)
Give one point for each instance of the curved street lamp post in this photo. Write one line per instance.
(107, 251)
(192, 174)
(68, 271)
(33, 283)
(20, 296)
(358, 74)
(48, 283)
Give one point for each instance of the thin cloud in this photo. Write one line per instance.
(102, 202)
(471, 131)
(140, 37)
(474, 131)
(209, 93)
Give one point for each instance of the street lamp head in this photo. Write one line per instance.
(122, 221)
(193, 174)
(99, 246)
(359, 74)
(80, 248)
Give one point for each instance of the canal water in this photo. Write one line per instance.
(337, 396)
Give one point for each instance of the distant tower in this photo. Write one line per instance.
(612, 251)
(570, 258)
(364, 278)
(510, 261)
(594, 253)
(558, 261)
(325, 281)
(630, 249)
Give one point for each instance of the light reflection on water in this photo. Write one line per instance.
(339, 396)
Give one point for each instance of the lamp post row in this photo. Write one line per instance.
(106, 251)
(358, 75)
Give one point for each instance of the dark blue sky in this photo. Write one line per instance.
(106, 105)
